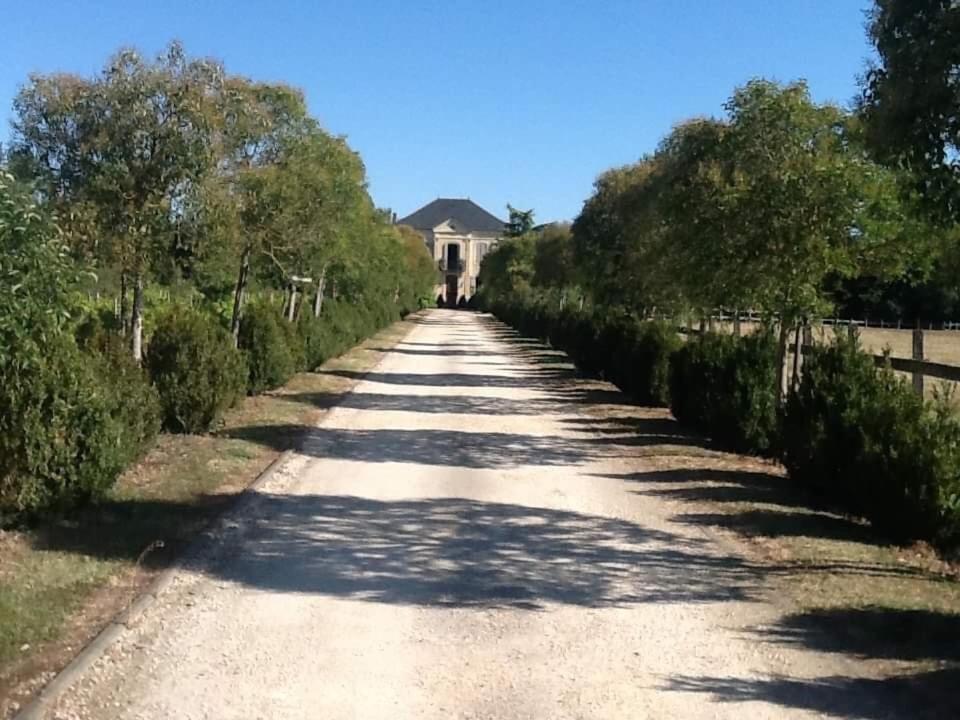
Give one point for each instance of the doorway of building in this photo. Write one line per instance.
(453, 257)
(452, 290)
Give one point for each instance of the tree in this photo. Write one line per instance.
(259, 124)
(618, 240)
(911, 98)
(39, 276)
(520, 222)
(553, 263)
(783, 198)
(128, 147)
(507, 270)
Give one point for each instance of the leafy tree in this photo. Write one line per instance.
(39, 276)
(911, 98)
(784, 199)
(259, 123)
(508, 268)
(128, 146)
(618, 240)
(520, 222)
(554, 265)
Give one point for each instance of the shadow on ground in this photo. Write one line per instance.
(453, 448)
(868, 634)
(462, 553)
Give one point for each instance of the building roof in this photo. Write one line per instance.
(464, 214)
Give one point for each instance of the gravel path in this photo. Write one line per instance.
(460, 539)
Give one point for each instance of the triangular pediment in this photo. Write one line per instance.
(448, 226)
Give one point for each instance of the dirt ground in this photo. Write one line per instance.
(477, 532)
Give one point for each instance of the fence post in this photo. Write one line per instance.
(736, 323)
(703, 325)
(918, 355)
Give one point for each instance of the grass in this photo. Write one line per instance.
(62, 581)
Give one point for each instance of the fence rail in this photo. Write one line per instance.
(917, 366)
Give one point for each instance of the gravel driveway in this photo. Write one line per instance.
(459, 539)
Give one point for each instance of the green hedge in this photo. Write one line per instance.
(855, 435)
(633, 354)
(725, 387)
(860, 438)
(266, 345)
(71, 424)
(195, 368)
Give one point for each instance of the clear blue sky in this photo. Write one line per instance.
(522, 102)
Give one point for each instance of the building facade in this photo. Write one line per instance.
(458, 233)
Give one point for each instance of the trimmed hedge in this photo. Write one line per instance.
(195, 368)
(70, 426)
(860, 438)
(632, 354)
(724, 387)
(856, 435)
(266, 344)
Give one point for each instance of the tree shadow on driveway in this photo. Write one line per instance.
(454, 448)
(871, 633)
(459, 552)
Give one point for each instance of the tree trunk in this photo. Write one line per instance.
(292, 308)
(136, 318)
(783, 339)
(238, 295)
(318, 298)
(123, 304)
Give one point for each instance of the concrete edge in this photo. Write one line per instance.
(115, 629)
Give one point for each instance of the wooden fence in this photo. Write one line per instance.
(917, 366)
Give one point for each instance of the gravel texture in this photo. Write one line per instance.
(458, 539)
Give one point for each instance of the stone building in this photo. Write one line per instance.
(458, 233)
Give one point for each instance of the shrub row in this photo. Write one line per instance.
(74, 419)
(854, 434)
(632, 354)
(859, 436)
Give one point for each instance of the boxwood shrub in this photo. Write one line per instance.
(266, 345)
(195, 368)
(72, 422)
(861, 439)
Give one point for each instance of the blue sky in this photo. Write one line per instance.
(522, 102)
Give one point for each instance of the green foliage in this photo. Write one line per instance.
(861, 439)
(520, 222)
(912, 94)
(70, 426)
(37, 278)
(196, 369)
(634, 355)
(267, 347)
(724, 387)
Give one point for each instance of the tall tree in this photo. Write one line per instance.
(520, 222)
(783, 198)
(130, 146)
(911, 97)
